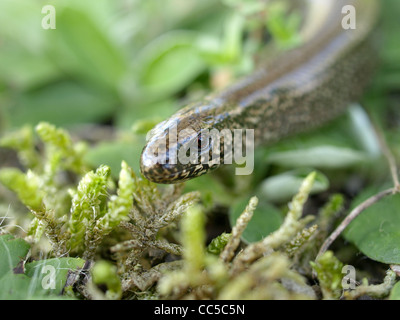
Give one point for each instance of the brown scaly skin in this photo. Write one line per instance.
(300, 90)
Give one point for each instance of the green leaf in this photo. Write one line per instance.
(395, 293)
(266, 219)
(376, 231)
(111, 154)
(283, 27)
(15, 287)
(156, 111)
(142, 127)
(12, 251)
(346, 142)
(35, 283)
(169, 63)
(323, 157)
(284, 186)
(16, 20)
(232, 45)
(64, 103)
(42, 271)
(25, 70)
(212, 191)
(80, 46)
(246, 7)
(228, 49)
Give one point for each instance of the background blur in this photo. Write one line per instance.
(114, 62)
(107, 62)
(111, 62)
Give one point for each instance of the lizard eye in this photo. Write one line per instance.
(203, 141)
(199, 141)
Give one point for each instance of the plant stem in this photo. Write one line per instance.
(353, 214)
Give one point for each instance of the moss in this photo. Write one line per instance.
(218, 244)
(150, 242)
(329, 273)
(104, 273)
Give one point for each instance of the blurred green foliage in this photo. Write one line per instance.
(120, 61)
(37, 280)
(106, 61)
